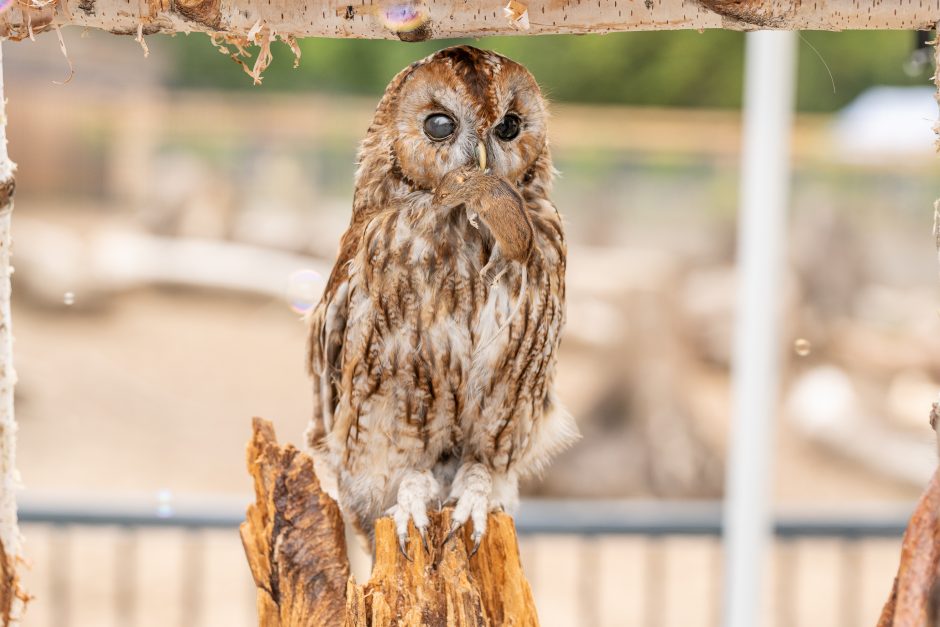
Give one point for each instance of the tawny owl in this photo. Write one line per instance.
(432, 384)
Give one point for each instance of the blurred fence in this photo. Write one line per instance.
(590, 563)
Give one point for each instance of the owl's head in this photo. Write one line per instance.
(460, 107)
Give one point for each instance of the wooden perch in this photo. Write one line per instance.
(915, 598)
(261, 21)
(294, 542)
(12, 598)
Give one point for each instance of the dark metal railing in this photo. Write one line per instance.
(577, 517)
(131, 518)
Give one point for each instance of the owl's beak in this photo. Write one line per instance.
(481, 155)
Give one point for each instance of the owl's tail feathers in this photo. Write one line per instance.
(520, 298)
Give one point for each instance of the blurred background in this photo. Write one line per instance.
(173, 222)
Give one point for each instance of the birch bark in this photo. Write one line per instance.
(11, 597)
(262, 20)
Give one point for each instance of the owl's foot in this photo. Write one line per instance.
(415, 491)
(472, 488)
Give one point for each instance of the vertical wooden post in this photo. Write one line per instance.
(12, 599)
(936, 130)
(915, 597)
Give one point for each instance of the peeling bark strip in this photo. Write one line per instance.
(294, 542)
(457, 18)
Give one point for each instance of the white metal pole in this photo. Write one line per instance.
(769, 86)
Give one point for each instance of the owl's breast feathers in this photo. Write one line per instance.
(402, 352)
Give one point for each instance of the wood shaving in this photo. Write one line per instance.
(140, 39)
(292, 44)
(259, 35)
(253, 31)
(517, 12)
(65, 53)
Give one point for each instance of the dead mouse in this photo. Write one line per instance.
(496, 203)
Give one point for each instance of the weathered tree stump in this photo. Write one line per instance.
(295, 546)
(915, 597)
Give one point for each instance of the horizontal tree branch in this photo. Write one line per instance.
(259, 21)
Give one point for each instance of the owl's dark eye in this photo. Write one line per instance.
(509, 127)
(439, 126)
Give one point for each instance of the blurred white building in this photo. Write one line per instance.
(884, 123)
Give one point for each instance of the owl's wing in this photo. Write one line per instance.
(327, 327)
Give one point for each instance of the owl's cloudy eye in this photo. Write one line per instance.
(508, 128)
(439, 126)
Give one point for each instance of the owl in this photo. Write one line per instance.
(432, 384)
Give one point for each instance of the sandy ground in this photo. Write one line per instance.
(156, 393)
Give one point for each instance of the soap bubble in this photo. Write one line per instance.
(802, 347)
(68, 298)
(402, 17)
(303, 290)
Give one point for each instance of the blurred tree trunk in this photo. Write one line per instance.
(250, 20)
(295, 546)
(12, 598)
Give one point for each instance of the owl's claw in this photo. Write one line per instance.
(414, 492)
(402, 540)
(472, 487)
(477, 540)
(403, 543)
(424, 539)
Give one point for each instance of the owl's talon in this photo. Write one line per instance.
(477, 540)
(402, 539)
(423, 532)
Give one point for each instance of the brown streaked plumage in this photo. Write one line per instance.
(426, 385)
